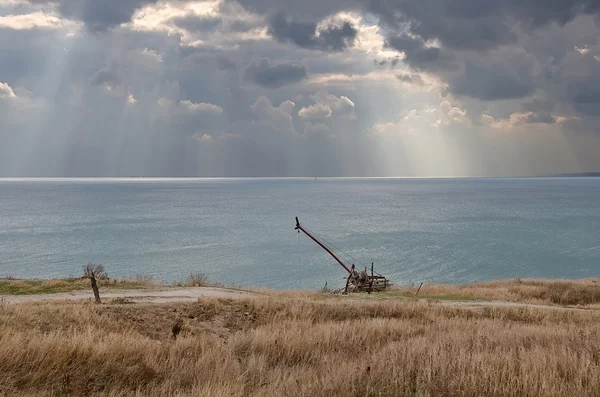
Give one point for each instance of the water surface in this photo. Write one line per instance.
(240, 231)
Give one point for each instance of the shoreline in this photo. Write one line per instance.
(556, 293)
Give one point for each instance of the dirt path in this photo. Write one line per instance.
(137, 295)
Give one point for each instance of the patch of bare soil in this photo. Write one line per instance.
(164, 295)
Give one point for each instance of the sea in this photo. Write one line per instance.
(240, 232)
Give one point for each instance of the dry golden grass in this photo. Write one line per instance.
(560, 292)
(297, 346)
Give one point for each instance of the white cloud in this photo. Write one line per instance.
(519, 119)
(450, 113)
(30, 21)
(391, 129)
(161, 17)
(329, 105)
(317, 111)
(131, 99)
(6, 91)
(203, 137)
(201, 107)
(279, 118)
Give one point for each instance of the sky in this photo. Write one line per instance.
(428, 88)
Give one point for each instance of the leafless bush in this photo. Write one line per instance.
(94, 270)
(197, 280)
(121, 301)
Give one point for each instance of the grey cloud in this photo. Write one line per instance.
(587, 97)
(413, 78)
(106, 76)
(71, 128)
(492, 83)
(416, 54)
(98, 15)
(545, 118)
(273, 75)
(587, 101)
(306, 35)
(224, 63)
(539, 111)
(241, 25)
(393, 62)
(306, 10)
(197, 23)
(474, 24)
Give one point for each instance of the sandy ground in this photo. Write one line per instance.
(137, 295)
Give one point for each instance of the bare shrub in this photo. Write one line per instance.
(95, 270)
(121, 301)
(197, 280)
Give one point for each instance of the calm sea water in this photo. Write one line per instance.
(240, 231)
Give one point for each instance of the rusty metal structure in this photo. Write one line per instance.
(356, 281)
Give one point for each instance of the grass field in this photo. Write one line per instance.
(12, 286)
(559, 292)
(301, 344)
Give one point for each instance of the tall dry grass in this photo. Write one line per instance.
(297, 347)
(560, 292)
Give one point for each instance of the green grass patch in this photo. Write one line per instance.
(32, 286)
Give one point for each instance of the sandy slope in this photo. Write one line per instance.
(137, 295)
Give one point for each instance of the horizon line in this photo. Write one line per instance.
(190, 178)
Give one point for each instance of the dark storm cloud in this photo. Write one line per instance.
(197, 23)
(475, 24)
(305, 10)
(416, 54)
(492, 83)
(587, 97)
(306, 35)
(453, 39)
(540, 111)
(272, 75)
(98, 15)
(186, 104)
(587, 101)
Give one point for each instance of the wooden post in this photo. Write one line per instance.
(371, 283)
(419, 289)
(95, 288)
